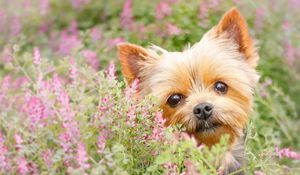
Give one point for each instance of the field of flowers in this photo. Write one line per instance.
(65, 108)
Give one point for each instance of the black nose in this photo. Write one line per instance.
(203, 111)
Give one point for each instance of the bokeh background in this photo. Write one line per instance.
(45, 40)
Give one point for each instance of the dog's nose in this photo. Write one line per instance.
(203, 111)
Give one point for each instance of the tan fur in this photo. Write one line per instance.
(225, 53)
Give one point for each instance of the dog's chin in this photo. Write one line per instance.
(206, 127)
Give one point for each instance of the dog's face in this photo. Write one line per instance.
(208, 87)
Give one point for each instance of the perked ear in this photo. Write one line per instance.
(234, 26)
(133, 60)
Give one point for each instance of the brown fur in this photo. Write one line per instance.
(225, 53)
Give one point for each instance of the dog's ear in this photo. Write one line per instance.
(233, 26)
(135, 61)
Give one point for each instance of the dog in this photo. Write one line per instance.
(208, 87)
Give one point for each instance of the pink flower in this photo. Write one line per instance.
(111, 71)
(82, 159)
(131, 116)
(77, 4)
(16, 26)
(132, 89)
(69, 40)
(36, 110)
(4, 161)
(162, 10)
(36, 56)
(259, 19)
(115, 41)
(44, 6)
(19, 141)
(91, 59)
(96, 34)
(287, 152)
(171, 168)
(289, 51)
(101, 143)
(73, 71)
(5, 85)
(158, 129)
(259, 173)
(23, 167)
(47, 157)
(126, 15)
(190, 169)
(172, 29)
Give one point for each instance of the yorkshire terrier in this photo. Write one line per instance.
(208, 88)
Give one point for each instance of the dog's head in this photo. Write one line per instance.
(207, 87)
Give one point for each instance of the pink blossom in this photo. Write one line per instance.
(131, 116)
(115, 41)
(16, 26)
(203, 13)
(23, 166)
(77, 4)
(259, 173)
(259, 19)
(101, 143)
(162, 10)
(285, 25)
(73, 71)
(132, 89)
(91, 59)
(287, 152)
(36, 110)
(111, 71)
(4, 161)
(158, 129)
(36, 56)
(5, 85)
(47, 157)
(19, 141)
(289, 51)
(190, 169)
(44, 6)
(6, 55)
(69, 40)
(3, 20)
(82, 159)
(171, 168)
(172, 29)
(126, 15)
(96, 34)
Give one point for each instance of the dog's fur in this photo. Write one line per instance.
(226, 53)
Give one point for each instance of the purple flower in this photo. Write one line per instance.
(111, 71)
(47, 157)
(287, 152)
(36, 56)
(259, 173)
(36, 110)
(23, 166)
(126, 15)
(4, 161)
(101, 143)
(115, 41)
(162, 10)
(16, 26)
(91, 59)
(259, 19)
(172, 29)
(44, 6)
(96, 34)
(132, 89)
(289, 51)
(73, 71)
(77, 4)
(82, 159)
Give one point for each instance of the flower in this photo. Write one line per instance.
(111, 71)
(190, 169)
(23, 167)
(82, 157)
(126, 15)
(36, 110)
(287, 152)
(171, 168)
(44, 6)
(36, 56)
(77, 4)
(162, 10)
(172, 29)
(4, 161)
(158, 129)
(132, 89)
(19, 141)
(47, 157)
(73, 71)
(115, 41)
(91, 59)
(289, 51)
(259, 19)
(16, 26)
(101, 143)
(259, 173)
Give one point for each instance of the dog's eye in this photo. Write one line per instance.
(174, 100)
(221, 87)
